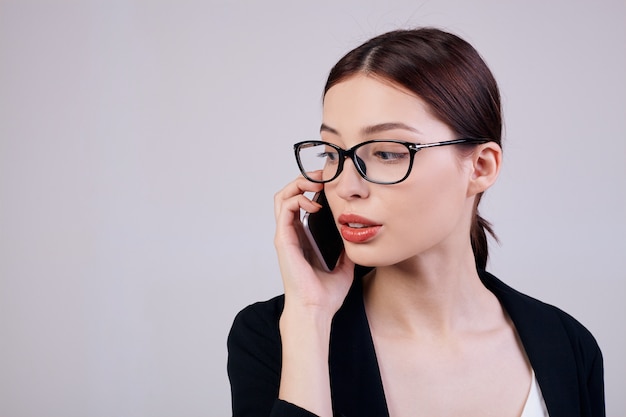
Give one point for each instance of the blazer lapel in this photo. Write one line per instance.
(546, 343)
(356, 383)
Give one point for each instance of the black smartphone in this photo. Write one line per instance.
(322, 233)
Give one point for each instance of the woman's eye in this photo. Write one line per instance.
(391, 156)
(329, 156)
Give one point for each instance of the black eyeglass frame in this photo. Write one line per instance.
(351, 153)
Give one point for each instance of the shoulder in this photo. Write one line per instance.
(565, 356)
(254, 357)
(258, 320)
(533, 317)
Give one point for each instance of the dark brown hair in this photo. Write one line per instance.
(450, 76)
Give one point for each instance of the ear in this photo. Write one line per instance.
(486, 162)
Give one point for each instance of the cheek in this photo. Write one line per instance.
(430, 209)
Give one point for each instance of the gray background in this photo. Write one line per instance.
(141, 143)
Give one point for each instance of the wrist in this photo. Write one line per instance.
(310, 318)
(305, 339)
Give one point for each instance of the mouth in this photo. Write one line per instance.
(357, 229)
(357, 225)
(354, 220)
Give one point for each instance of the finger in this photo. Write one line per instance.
(297, 187)
(289, 210)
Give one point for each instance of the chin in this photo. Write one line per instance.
(370, 256)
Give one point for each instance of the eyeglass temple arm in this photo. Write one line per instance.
(417, 146)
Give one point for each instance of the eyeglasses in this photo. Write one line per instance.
(378, 161)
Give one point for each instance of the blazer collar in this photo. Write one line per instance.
(542, 334)
(356, 382)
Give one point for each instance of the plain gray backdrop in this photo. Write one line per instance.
(141, 144)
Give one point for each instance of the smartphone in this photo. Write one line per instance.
(322, 234)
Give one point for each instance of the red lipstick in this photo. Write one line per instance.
(357, 229)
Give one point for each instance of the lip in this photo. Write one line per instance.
(357, 229)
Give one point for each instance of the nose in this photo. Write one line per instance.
(350, 184)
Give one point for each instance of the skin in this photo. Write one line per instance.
(445, 346)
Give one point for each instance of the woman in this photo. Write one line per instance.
(412, 138)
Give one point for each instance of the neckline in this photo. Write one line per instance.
(492, 284)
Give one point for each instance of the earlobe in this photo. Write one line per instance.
(486, 162)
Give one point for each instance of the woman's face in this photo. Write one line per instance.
(426, 215)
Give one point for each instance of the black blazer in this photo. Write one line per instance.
(564, 355)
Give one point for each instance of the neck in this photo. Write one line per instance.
(428, 296)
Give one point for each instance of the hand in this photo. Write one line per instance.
(306, 284)
(312, 297)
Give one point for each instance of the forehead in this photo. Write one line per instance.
(364, 100)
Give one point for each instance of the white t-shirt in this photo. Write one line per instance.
(535, 405)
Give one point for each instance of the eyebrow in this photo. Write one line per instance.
(368, 130)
